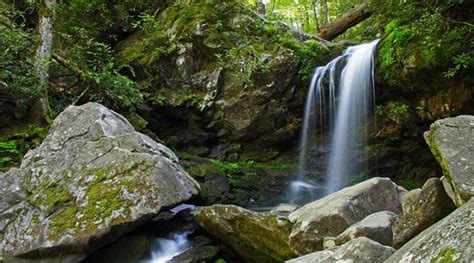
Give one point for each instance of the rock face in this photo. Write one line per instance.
(91, 180)
(258, 237)
(330, 216)
(13, 192)
(451, 141)
(360, 249)
(237, 92)
(420, 209)
(449, 240)
(377, 227)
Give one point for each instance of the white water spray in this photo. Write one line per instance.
(342, 109)
(165, 249)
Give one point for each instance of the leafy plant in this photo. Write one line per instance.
(17, 55)
(461, 62)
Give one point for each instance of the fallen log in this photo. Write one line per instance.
(351, 18)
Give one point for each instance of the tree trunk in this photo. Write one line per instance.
(346, 21)
(324, 12)
(39, 109)
(261, 7)
(316, 14)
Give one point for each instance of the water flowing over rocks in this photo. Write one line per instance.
(420, 209)
(360, 249)
(91, 180)
(377, 226)
(451, 141)
(330, 216)
(449, 240)
(259, 237)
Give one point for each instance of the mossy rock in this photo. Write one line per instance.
(223, 76)
(262, 237)
(91, 180)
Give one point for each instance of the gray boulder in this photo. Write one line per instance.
(451, 142)
(257, 237)
(330, 216)
(361, 250)
(12, 193)
(91, 180)
(449, 240)
(284, 209)
(377, 226)
(420, 209)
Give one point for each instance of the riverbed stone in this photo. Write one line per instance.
(361, 249)
(331, 215)
(91, 180)
(420, 209)
(258, 237)
(377, 226)
(451, 142)
(449, 240)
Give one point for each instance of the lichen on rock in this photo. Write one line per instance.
(92, 179)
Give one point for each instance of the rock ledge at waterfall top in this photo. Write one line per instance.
(92, 179)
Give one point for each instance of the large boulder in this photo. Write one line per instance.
(377, 226)
(13, 192)
(259, 237)
(330, 216)
(451, 141)
(449, 240)
(91, 180)
(360, 249)
(420, 209)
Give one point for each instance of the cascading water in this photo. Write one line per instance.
(165, 249)
(342, 109)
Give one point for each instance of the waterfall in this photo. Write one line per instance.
(165, 249)
(340, 106)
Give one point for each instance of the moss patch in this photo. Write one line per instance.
(447, 255)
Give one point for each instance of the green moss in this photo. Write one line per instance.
(410, 184)
(201, 170)
(447, 255)
(15, 142)
(410, 48)
(66, 219)
(147, 46)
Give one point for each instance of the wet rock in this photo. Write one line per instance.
(91, 180)
(284, 209)
(197, 254)
(329, 242)
(452, 145)
(449, 240)
(377, 227)
(258, 237)
(360, 249)
(420, 209)
(330, 216)
(127, 249)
